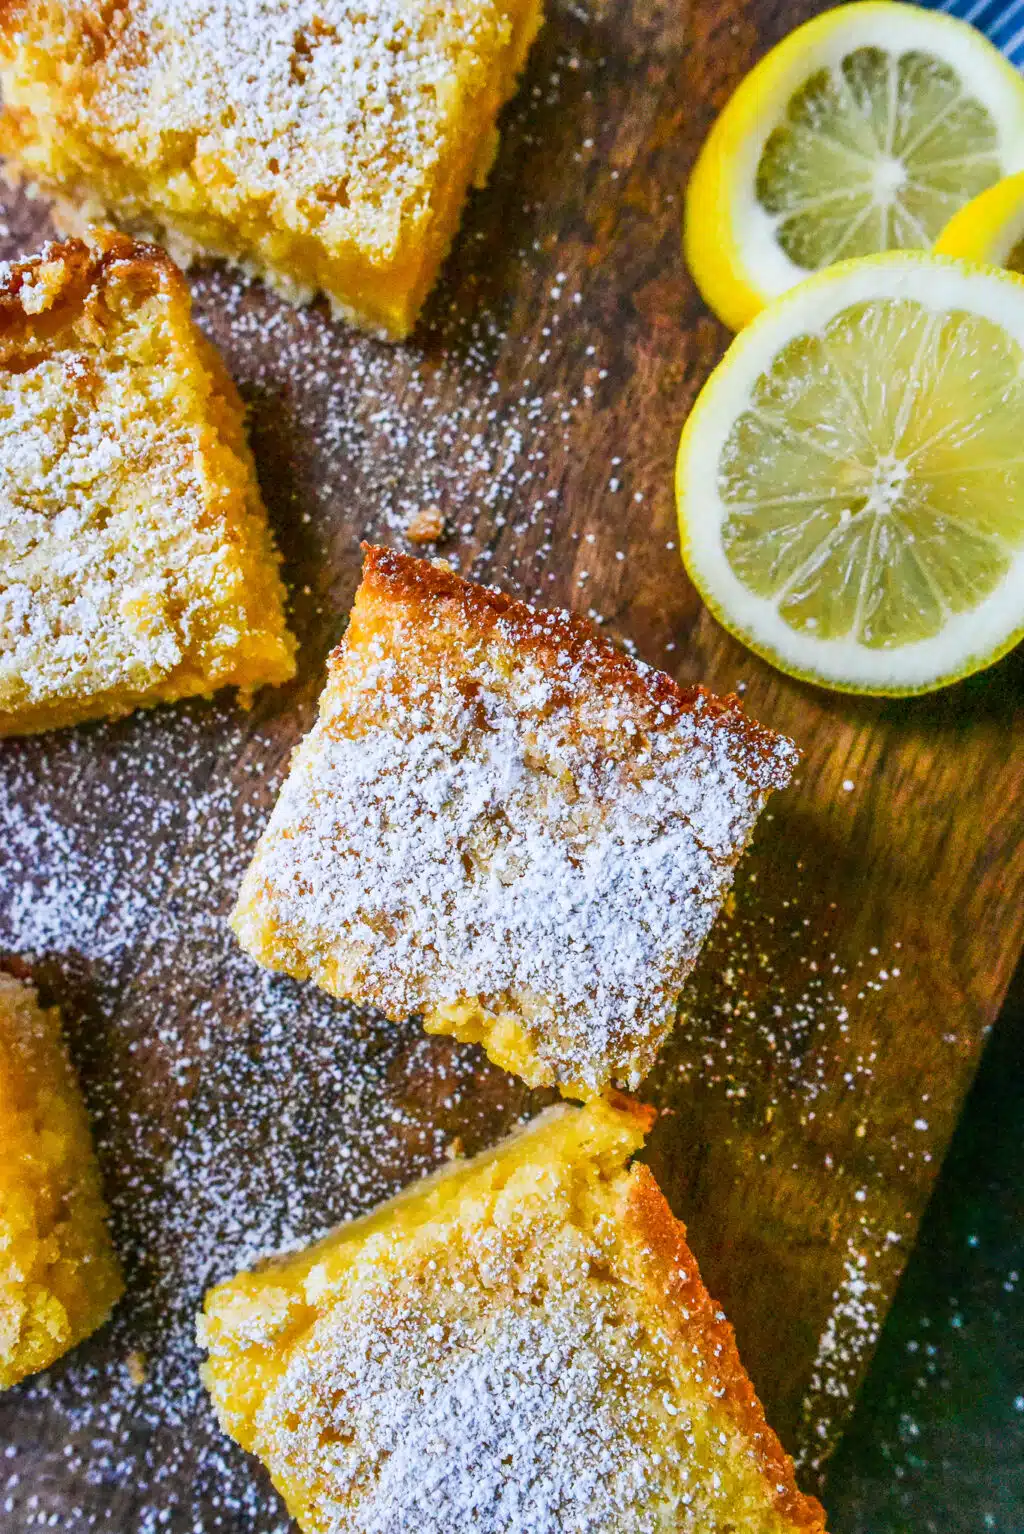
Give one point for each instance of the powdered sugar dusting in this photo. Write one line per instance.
(327, 145)
(119, 567)
(499, 1423)
(303, 101)
(505, 1366)
(848, 1338)
(479, 826)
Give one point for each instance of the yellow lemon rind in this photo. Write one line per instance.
(987, 228)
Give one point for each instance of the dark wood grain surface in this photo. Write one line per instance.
(838, 1013)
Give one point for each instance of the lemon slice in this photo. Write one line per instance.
(991, 227)
(850, 482)
(864, 131)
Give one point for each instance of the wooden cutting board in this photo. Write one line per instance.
(839, 1010)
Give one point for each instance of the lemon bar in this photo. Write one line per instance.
(59, 1277)
(136, 564)
(326, 146)
(521, 1342)
(501, 822)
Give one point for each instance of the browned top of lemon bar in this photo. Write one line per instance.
(43, 293)
(571, 651)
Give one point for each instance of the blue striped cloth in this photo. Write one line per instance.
(1002, 22)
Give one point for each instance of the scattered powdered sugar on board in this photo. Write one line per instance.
(767, 1042)
(236, 1112)
(774, 998)
(122, 848)
(356, 407)
(224, 1128)
(849, 1337)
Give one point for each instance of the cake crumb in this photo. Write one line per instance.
(135, 1367)
(425, 525)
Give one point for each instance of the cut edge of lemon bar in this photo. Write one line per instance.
(525, 1332)
(59, 1275)
(339, 164)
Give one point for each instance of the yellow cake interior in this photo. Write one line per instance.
(505, 826)
(339, 165)
(59, 1276)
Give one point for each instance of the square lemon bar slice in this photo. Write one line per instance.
(59, 1277)
(521, 1342)
(503, 823)
(136, 564)
(326, 146)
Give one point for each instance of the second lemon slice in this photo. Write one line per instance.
(864, 131)
(850, 481)
(990, 229)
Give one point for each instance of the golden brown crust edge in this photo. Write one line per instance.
(644, 1116)
(12, 14)
(554, 638)
(69, 271)
(670, 1270)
